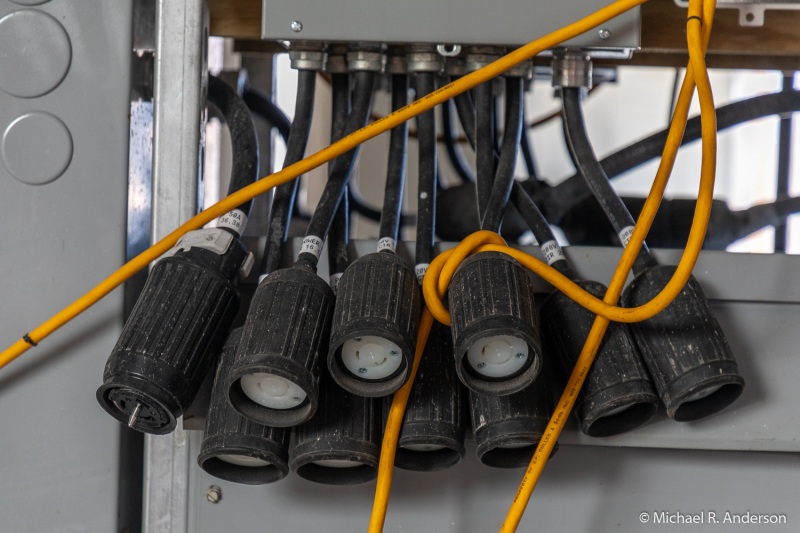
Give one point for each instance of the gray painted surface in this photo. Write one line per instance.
(583, 489)
(59, 452)
(453, 21)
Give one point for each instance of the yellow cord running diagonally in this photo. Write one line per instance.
(309, 163)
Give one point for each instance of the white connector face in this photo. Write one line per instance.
(272, 391)
(703, 393)
(498, 356)
(337, 463)
(242, 460)
(371, 358)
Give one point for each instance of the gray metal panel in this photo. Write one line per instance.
(59, 453)
(583, 489)
(449, 21)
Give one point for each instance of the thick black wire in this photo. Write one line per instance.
(504, 176)
(538, 225)
(338, 256)
(784, 164)
(465, 108)
(269, 111)
(453, 151)
(583, 154)
(527, 151)
(342, 166)
(284, 198)
(484, 147)
(556, 201)
(425, 83)
(396, 170)
(244, 144)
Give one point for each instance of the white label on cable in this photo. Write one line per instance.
(235, 220)
(334, 281)
(420, 270)
(312, 245)
(552, 252)
(386, 243)
(625, 235)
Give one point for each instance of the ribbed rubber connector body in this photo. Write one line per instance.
(285, 335)
(341, 444)
(617, 394)
(169, 342)
(434, 425)
(378, 304)
(234, 448)
(684, 348)
(507, 429)
(491, 297)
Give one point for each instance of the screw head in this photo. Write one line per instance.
(604, 33)
(296, 398)
(357, 339)
(362, 370)
(481, 365)
(520, 355)
(394, 352)
(214, 494)
(297, 26)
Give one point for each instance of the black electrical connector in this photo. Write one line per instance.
(374, 325)
(234, 448)
(176, 327)
(684, 348)
(188, 303)
(507, 429)
(434, 424)
(273, 380)
(340, 445)
(495, 326)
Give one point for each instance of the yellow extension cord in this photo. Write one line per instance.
(443, 267)
(441, 270)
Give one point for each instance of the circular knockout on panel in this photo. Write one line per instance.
(36, 148)
(35, 53)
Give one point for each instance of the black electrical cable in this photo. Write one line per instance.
(538, 225)
(424, 83)
(341, 168)
(284, 198)
(559, 199)
(269, 111)
(527, 151)
(465, 108)
(504, 178)
(453, 151)
(484, 147)
(583, 154)
(784, 164)
(396, 171)
(244, 144)
(338, 256)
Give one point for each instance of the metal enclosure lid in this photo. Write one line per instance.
(454, 21)
(63, 180)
